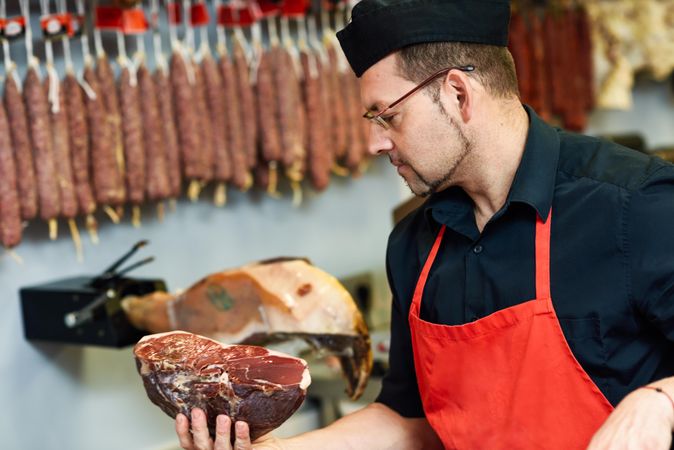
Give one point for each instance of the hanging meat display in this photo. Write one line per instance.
(275, 97)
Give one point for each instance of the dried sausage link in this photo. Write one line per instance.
(23, 155)
(10, 211)
(78, 131)
(37, 109)
(215, 97)
(110, 102)
(233, 115)
(62, 157)
(291, 116)
(246, 98)
(157, 179)
(268, 107)
(186, 120)
(318, 158)
(132, 129)
(337, 106)
(205, 127)
(168, 121)
(107, 181)
(357, 147)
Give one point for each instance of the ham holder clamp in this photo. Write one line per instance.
(86, 310)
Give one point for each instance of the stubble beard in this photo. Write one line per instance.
(429, 186)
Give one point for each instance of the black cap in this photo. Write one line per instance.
(380, 27)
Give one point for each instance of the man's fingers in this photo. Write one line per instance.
(242, 437)
(222, 433)
(202, 440)
(183, 431)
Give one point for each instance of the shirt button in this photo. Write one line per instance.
(477, 249)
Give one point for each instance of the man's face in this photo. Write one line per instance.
(424, 141)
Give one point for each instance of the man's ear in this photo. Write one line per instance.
(460, 92)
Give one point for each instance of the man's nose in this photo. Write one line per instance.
(378, 142)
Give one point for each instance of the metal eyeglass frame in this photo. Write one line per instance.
(379, 120)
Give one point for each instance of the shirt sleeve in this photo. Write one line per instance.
(399, 386)
(650, 249)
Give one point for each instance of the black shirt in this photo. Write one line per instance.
(612, 261)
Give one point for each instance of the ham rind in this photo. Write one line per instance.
(182, 371)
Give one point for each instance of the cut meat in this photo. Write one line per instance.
(266, 302)
(182, 371)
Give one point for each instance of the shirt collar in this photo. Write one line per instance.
(534, 181)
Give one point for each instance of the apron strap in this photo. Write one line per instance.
(543, 257)
(421, 282)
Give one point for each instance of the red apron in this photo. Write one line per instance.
(508, 380)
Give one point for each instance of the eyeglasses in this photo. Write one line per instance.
(379, 120)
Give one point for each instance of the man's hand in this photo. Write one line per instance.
(642, 420)
(198, 437)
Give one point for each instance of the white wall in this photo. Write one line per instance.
(652, 115)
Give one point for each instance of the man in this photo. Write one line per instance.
(533, 291)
